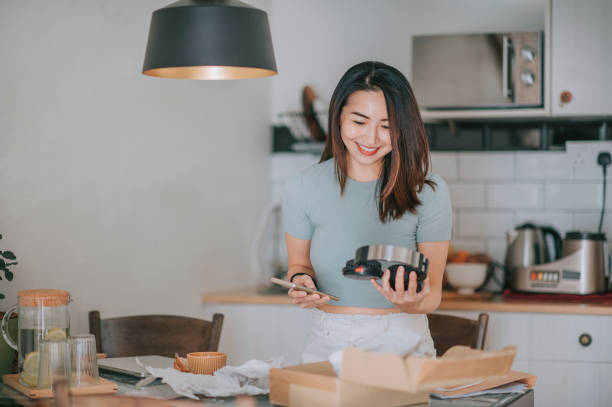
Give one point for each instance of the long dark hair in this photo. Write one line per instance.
(405, 168)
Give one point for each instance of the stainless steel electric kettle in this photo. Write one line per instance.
(527, 247)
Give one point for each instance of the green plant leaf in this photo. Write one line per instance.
(8, 275)
(2, 264)
(1, 296)
(9, 255)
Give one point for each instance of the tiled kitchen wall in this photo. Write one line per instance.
(493, 192)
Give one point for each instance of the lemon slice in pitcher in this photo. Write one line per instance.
(55, 334)
(29, 374)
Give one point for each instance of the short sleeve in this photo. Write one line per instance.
(295, 213)
(435, 214)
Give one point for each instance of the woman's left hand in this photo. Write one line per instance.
(400, 296)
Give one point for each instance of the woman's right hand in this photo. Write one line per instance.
(302, 298)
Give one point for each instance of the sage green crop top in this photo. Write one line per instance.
(337, 225)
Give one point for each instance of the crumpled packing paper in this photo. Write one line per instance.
(251, 378)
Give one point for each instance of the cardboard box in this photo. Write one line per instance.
(368, 379)
(316, 384)
(459, 365)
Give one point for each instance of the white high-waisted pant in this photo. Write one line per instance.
(376, 333)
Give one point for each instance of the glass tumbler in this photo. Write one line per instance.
(84, 360)
(54, 362)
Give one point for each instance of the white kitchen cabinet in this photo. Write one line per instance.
(548, 346)
(256, 331)
(581, 57)
(578, 62)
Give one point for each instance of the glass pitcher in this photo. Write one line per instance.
(43, 314)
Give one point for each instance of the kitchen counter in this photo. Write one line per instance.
(450, 301)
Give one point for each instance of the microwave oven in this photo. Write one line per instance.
(478, 71)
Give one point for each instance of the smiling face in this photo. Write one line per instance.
(364, 128)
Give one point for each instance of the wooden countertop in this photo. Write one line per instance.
(450, 301)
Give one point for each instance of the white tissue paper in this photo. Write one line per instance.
(251, 378)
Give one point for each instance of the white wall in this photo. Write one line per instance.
(136, 194)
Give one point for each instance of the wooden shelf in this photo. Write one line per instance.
(246, 296)
(450, 301)
(441, 115)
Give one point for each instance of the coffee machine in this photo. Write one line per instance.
(580, 267)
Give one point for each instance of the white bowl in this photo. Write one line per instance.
(465, 277)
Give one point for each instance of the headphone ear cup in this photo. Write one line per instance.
(420, 277)
(393, 274)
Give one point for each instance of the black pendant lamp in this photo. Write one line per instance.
(209, 39)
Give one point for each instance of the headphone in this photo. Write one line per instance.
(371, 262)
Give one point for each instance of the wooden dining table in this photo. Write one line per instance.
(160, 394)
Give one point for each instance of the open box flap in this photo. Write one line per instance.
(459, 365)
(386, 370)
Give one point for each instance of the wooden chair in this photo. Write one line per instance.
(447, 331)
(154, 334)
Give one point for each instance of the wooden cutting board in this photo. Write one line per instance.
(102, 386)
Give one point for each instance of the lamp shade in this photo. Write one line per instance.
(209, 39)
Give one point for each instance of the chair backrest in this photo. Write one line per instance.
(447, 331)
(154, 334)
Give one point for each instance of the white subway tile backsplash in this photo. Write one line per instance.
(562, 221)
(485, 224)
(471, 245)
(582, 155)
(445, 165)
(511, 196)
(589, 222)
(483, 166)
(543, 166)
(572, 196)
(496, 248)
(467, 195)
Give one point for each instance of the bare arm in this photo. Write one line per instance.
(428, 299)
(299, 262)
(299, 256)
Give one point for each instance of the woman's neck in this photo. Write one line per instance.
(362, 173)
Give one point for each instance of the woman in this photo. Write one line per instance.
(372, 186)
